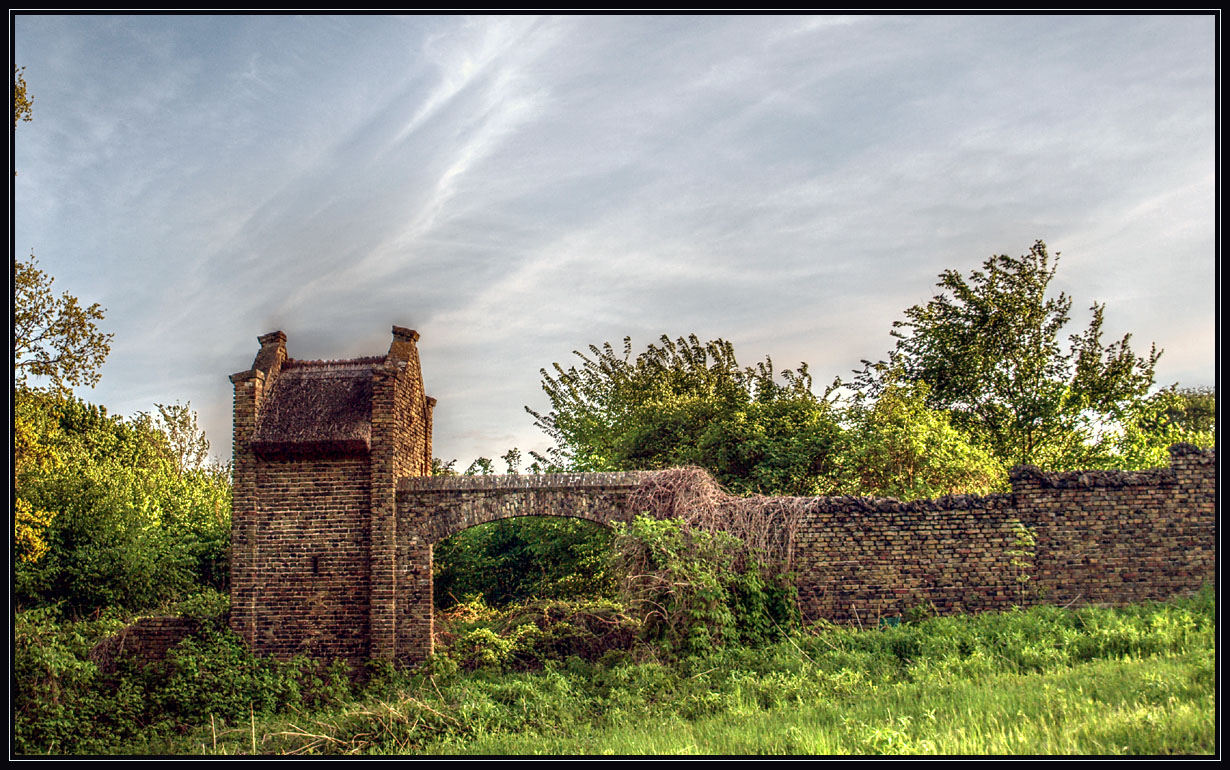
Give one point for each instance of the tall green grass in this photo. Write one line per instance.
(1132, 680)
(1142, 707)
(1136, 680)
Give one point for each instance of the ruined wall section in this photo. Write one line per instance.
(145, 641)
(1098, 537)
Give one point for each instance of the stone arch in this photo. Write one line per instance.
(440, 507)
(430, 509)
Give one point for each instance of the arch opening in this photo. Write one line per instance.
(525, 557)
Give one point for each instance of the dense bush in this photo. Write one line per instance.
(65, 703)
(124, 523)
(699, 590)
(529, 635)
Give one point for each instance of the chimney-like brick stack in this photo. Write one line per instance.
(250, 388)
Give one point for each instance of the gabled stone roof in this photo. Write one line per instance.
(318, 406)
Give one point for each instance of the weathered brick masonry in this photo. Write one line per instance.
(146, 640)
(334, 520)
(318, 447)
(1101, 537)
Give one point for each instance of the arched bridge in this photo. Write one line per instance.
(437, 507)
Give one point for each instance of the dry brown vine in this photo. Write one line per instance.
(767, 526)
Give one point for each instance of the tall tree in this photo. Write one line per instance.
(988, 347)
(186, 442)
(57, 340)
(1196, 410)
(1168, 417)
(684, 402)
(54, 338)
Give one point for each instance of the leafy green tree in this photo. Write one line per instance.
(1196, 409)
(189, 449)
(988, 347)
(54, 337)
(897, 446)
(55, 340)
(1166, 418)
(684, 402)
(441, 468)
(481, 467)
(128, 528)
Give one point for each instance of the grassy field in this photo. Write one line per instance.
(1137, 680)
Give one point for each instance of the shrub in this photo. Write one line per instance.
(699, 590)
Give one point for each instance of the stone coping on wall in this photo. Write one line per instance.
(1029, 474)
(893, 505)
(1186, 454)
(515, 482)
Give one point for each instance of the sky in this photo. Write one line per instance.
(517, 188)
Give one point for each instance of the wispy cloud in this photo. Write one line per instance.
(518, 187)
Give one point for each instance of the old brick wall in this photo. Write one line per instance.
(859, 559)
(1114, 537)
(1100, 537)
(147, 640)
(314, 566)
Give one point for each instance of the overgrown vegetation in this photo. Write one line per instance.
(514, 560)
(553, 678)
(123, 521)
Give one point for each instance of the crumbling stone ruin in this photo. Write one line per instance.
(335, 516)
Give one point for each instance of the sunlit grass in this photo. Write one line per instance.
(1130, 681)
(1139, 707)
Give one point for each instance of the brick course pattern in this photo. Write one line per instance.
(1100, 537)
(335, 516)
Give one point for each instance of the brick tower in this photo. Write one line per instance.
(316, 563)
